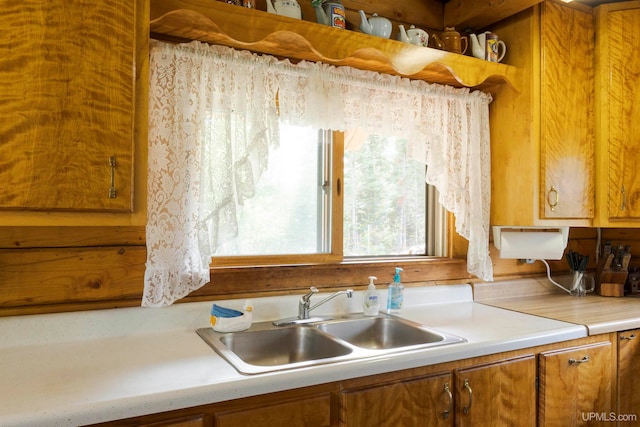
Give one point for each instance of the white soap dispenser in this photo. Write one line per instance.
(371, 299)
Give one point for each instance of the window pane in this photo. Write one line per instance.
(384, 198)
(285, 215)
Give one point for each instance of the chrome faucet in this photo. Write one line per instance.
(305, 307)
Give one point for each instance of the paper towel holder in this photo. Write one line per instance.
(557, 235)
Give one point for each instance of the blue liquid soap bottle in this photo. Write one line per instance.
(396, 293)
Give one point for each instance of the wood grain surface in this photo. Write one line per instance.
(623, 37)
(255, 30)
(567, 127)
(66, 104)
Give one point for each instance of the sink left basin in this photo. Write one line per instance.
(265, 350)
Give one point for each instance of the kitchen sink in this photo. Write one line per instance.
(267, 348)
(381, 333)
(273, 347)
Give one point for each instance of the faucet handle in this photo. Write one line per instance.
(307, 297)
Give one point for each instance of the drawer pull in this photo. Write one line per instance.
(446, 413)
(628, 338)
(467, 408)
(583, 360)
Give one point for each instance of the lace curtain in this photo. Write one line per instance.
(213, 117)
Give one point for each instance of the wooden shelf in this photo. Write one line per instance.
(224, 24)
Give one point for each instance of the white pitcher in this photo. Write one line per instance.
(289, 8)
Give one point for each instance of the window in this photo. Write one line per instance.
(322, 197)
(290, 210)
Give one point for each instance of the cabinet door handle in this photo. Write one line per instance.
(623, 205)
(466, 409)
(628, 338)
(585, 359)
(556, 197)
(446, 413)
(112, 189)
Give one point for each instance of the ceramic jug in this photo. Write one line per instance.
(453, 41)
(330, 12)
(289, 8)
(376, 25)
(487, 46)
(413, 35)
(494, 49)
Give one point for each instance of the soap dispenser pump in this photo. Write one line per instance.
(396, 293)
(371, 299)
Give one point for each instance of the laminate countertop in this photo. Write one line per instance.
(88, 367)
(539, 297)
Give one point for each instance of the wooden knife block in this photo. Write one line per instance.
(610, 283)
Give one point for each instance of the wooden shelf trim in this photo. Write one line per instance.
(262, 32)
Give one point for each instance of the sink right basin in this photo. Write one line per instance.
(383, 333)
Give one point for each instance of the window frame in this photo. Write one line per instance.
(336, 256)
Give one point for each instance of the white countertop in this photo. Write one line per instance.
(89, 367)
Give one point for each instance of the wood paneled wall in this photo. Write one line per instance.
(54, 269)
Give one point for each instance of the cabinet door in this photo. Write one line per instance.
(575, 385)
(313, 411)
(419, 402)
(189, 421)
(619, 119)
(567, 128)
(628, 372)
(497, 394)
(67, 74)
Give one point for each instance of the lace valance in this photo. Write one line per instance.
(212, 117)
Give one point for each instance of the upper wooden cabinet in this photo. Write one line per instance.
(68, 99)
(618, 114)
(543, 138)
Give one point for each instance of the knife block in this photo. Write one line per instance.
(610, 283)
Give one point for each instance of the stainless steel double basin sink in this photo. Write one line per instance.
(267, 348)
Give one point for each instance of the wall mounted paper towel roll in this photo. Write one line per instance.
(530, 242)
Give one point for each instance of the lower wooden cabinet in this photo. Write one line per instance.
(425, 401)
(189, 421)
(495, 393)
(499, 393)
(307, 412)
(576, 386)
(629, 376)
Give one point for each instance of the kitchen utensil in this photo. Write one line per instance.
(581, 283)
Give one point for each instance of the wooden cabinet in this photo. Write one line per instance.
(618, 114)
(574, 377)
(575, 384)
(542, 138)
(628, 394)
(189, 421)
(497, 393)
(69, 98)
(312, 411)
(413, 402)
